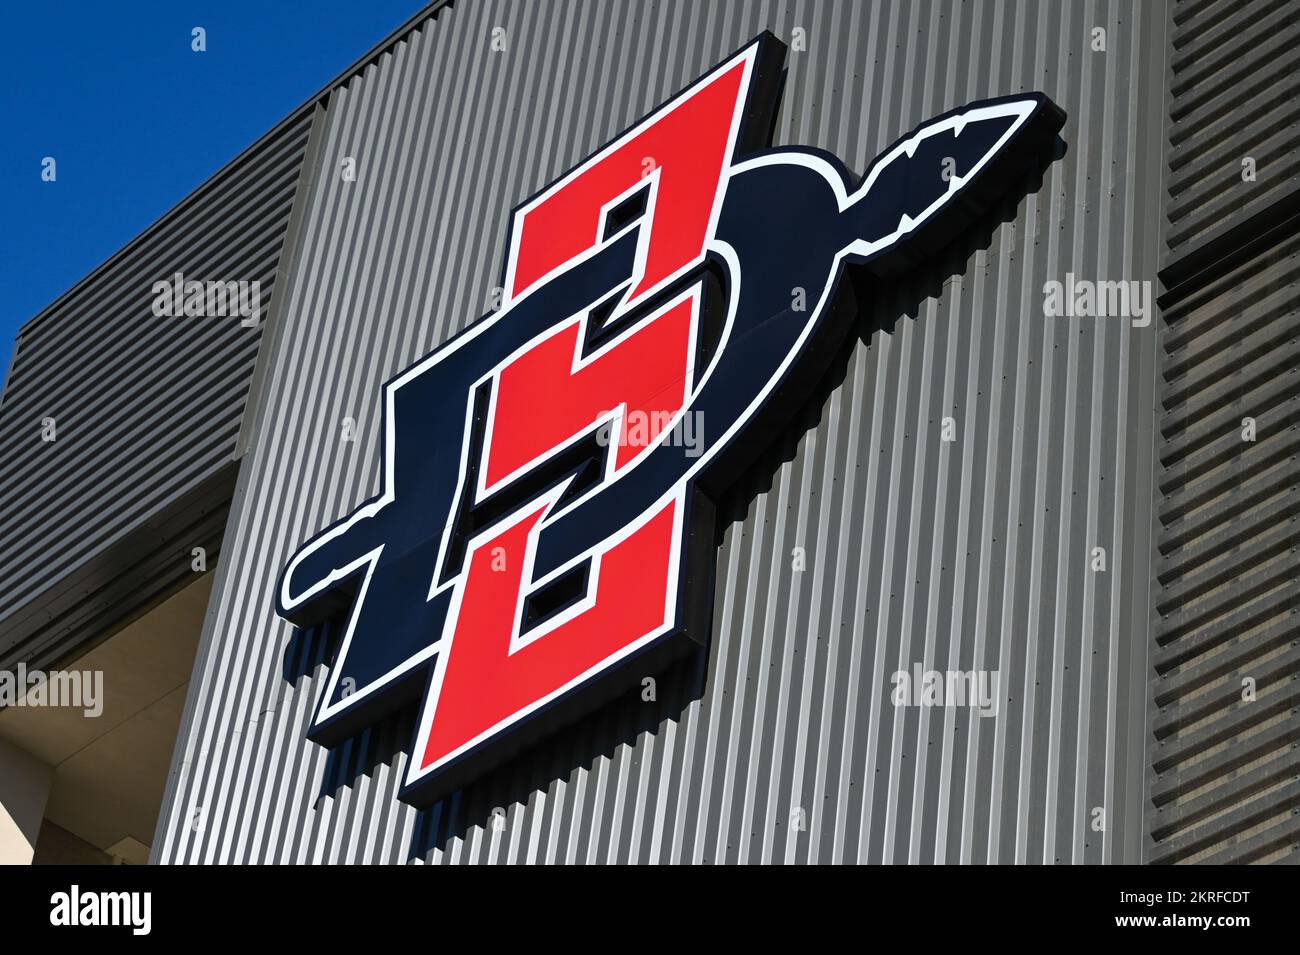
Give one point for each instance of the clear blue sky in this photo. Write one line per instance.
(135, 119)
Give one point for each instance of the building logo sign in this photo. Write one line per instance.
(544, 539)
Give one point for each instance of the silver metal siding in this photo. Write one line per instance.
(146, 408)
(1234, 81)
(1224, 760)
(1227, 593)
(956, 556)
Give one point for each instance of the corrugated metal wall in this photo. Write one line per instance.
(1234, 81)
(146, 410)
(1226, 766)
(1226, 753)
(782, 743)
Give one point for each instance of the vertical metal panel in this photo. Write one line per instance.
(1225, 754)
(780, 744)
(102, 520)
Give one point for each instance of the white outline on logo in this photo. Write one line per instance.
(1019, 109)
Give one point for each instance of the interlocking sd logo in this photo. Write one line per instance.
(544, 539)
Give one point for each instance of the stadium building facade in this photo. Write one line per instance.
(1012, 577)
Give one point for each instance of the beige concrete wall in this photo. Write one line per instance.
(24, 788)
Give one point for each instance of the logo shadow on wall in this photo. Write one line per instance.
(492, 803)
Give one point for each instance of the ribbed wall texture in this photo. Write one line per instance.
(780, 743)
(1234, 83)
(146, 412)
(1226, 738)
(1226, 764)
